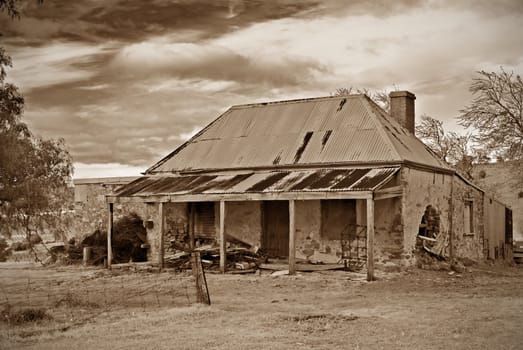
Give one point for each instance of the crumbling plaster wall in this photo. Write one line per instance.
(176, 225)
(388, 234)
(175, 229)
(467, 244)
(310, 244)
(421, 189)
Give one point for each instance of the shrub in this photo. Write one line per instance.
(4, 250)
(19, 246)
(24, 315)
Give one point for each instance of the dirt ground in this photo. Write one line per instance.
(93, 308)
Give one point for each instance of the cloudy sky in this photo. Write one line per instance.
(125, 82)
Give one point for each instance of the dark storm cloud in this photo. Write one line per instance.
(125, 82)
(129, 21)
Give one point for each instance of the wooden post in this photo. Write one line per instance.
(190, 213)
(202, 292)
(292, 238)
(110, 236)
(451, 221)
(370, 239)
(162, 233)
(86, 255)
(223, 252)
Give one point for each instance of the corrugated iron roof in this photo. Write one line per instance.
(324, 180)
(341, 129)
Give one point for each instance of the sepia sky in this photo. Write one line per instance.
(125, 82)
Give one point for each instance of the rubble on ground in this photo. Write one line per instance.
(239, 259)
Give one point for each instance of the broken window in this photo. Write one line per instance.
(337, 215)
(468, 220)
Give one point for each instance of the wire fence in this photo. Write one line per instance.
(75, 296)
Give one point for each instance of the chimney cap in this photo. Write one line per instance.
(402, 94)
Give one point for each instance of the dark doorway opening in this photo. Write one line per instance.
(204, 220)
(429, 225)
(275, 238)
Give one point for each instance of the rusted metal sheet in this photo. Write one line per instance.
(360, 179)
(341, 130)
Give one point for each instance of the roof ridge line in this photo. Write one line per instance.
(370, 105)
(298, 100)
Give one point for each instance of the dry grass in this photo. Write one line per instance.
(334, 310)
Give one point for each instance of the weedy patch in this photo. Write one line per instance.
(15, 317)
(71, 300)
(320, 322)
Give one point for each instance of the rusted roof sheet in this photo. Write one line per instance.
(324, 180)
(340, 130)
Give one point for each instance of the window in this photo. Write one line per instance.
(468, 221)
(337, 216)
(204, 219)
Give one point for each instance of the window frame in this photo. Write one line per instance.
(468, 217)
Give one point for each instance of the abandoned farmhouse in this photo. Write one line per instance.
(333, 180)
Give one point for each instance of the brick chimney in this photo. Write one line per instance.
(402, 108)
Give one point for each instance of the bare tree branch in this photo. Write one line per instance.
(496, 112)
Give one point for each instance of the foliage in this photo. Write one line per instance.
(10, 7)
(4, 250)
(128, 235)
(24, 316)
(34, 172)
(457, 150)
(496, 112)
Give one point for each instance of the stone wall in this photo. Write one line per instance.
(467, 244)
(424, 188)
(388, 234)
(421, 189)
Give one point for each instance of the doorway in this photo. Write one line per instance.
(275, 237)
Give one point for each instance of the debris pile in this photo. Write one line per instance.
(239, 259)
(432, 252)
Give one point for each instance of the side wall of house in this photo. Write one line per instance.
(421, 189)
(450, 196)
(467, 244)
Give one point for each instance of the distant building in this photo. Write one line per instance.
(90, 207)
(504, 180)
